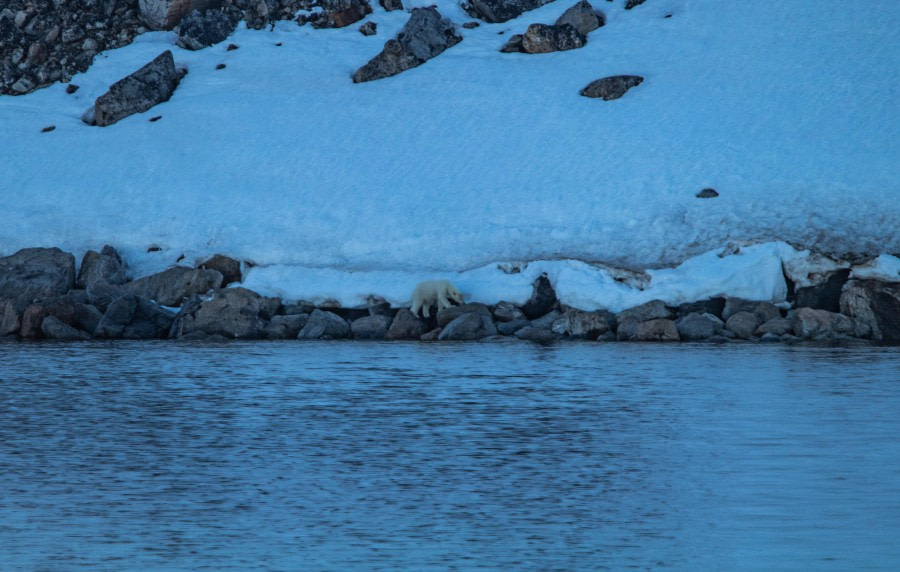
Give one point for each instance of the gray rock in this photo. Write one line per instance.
(150, 321)
(431, 336)
(469, 326)
(507, 312)
(875, 309)
(743, 324)
(612, 87)
(698, 326)
(151, 85)
(171, 286)
(285, 327)
(324, 325)
(626, 330)
(582, 17)
(340, 13)
(543, 298)
(232, 313)
(368, 29)
(579, 324)
(513, 45)
(770, 337)
(707, 194)
(269, 308)
(824, 296)
(652, 310)
(629, 4)
(371, 327)
(87, 317)
(735, 305)
(166, 14)
(100, 294)
(54, 329)
(447, 315)
(391, 5)
(808, 323)
(775, 326)
(510, 328)
(537, 335)
(712, 306)
(495, 11)
(660, 330)
(300, 307)
(543, 39)
(406, 326)
(35, 274)
(105, 266)
(199, 30)
(10, 319)
(425, 35)
(766, 311)
(117, 316)
(545, 322)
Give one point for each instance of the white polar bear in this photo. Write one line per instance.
(434, 291)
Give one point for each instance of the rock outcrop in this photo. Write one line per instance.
(199, 30)
(875, 309)
(496, 11)
(166, 14)
(171, 286)
(612, 87)
(35, 274)
(151, 85)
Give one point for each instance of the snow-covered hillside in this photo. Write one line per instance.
(788, 109)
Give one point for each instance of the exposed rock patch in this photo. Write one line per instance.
(151, 85)
(612, 87)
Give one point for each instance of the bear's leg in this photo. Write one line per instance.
(442, 302)
(426, 310)
(417, 305)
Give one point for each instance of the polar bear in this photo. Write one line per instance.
(434, 291)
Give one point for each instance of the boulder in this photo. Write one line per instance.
(87, 317)
(823, 296)
(629, 4)
(150, 321)
(285, 327)
(582, 17)
(391, 5)
(35, 274)
(808, 323)
(324, 325)
(469, 326)
(496, 11)
(652, 310)
(698, 326)
(150, 85)
(626, 329)
(543, 298)
(425, 35)
(513, 45)
(766, 311)
(117, 316)
(612, 87)
(368, 29)
(34, 315)
(371, 327)
(447, 315)
(545, 322)
(743, 324)
(232, 313)
(510, 328)
(105, 266)
(875, 309)
(580, 324)
(712, 306)
(55, 329)
(775, 326)
(507, 312)
(171, 286)
(340, 13)
(537, 335)
(166, 14)
(406, 326)
(543, 39)
(199, 30)
(735, 305)
(10, 319)
(660, 330)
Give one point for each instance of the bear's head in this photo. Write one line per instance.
(454, 294)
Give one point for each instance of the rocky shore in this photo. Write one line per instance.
(44, 296)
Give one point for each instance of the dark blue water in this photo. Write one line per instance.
(354, 456)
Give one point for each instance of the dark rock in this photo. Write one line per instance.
(171, 286)
(152, 84)
(431, 336)
(613, 87)
(652, 310)
(425, 35)
(150, 321)
(543, 39)
(199, 30)
(380, 308)
(808, 323)
(71, 88)
(513, 45)
(469, 326)
(698, 326)
(447, 315)
(629, 4)
(406, 326)
(543, 298)
(495, 11)
(185, 316)
(627, 329)
(775, 326)
(100, 294)
(371, 327)
(301, 307)
(348, 314)
(712, 306)
(340, 13)
(10, 319)
(766, 311)
(537, 335)
(166, 14)
(507, 312)
(545, 322)
(875, 309)
(87, 317)
(770, 337)
(579, 324)
(582, 17)
(285, 327)
(36, 274)
(471, 25)
(391, 5)
(270, 307)
(324, 325)
(228, 267)
(105, 266)
(232, 313)
(48, 129)
(743, 324)
(735, 305)
(660, 330)
(510, 328)
(707, 194)
(54, 329)
(117, 316)
(824, 296)
(368, 29)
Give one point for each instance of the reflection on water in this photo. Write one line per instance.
(355, 456)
